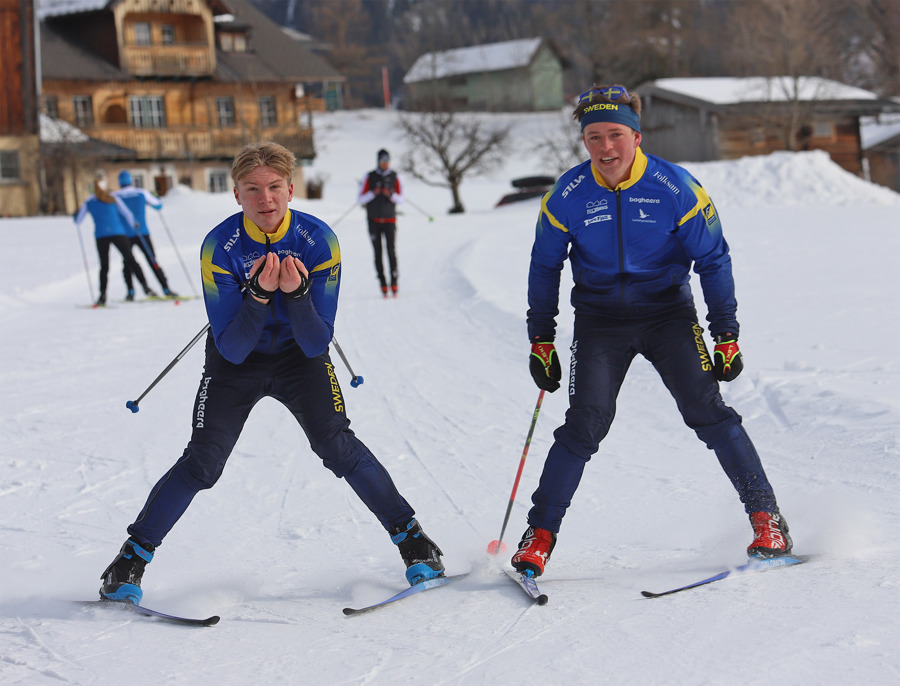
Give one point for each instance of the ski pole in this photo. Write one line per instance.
(343, 216)
(87, 271)
(183, 265)
(410, 202)
(494, 547)
(356, 380)
(133, 404)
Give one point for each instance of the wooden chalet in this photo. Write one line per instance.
(19, 169)
(178, 87)
(721, 118)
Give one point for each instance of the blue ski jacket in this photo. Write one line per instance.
(631, 247)
(240, 324)
(110, 219)
(137, 199)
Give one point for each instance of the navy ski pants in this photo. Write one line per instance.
(602, 351)
(309, 389)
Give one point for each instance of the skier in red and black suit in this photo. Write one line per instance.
(381, 193)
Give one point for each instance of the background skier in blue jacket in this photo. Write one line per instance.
(633, 225)
(111, 216)
(137, 200)
(271, 277)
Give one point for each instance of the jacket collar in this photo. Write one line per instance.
(638, 167)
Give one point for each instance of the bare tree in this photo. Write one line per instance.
(447, 147)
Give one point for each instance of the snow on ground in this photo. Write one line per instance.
(279, 546)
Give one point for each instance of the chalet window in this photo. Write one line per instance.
(232, 42)
(84, 110)
(168, 34)
(225, 111)
(823, 129)
(147, 111)
(268, 112)
(217, 181)
(142, 35)
(9, 166)
(458, 80)
(51, 106)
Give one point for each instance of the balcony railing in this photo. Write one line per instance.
(168, 60)
(194, 144)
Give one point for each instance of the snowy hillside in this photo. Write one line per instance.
(279, 546)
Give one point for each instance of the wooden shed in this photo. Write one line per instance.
(721, 118)
(510, 76)
(20, 191)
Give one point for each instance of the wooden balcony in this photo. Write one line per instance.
(182, 143)
(182, 60)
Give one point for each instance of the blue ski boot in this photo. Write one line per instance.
(122, 579)
(421, 555)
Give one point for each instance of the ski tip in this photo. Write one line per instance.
(542, 599)
(211, 621)
(649, 594)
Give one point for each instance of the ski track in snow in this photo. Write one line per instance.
(279, 546)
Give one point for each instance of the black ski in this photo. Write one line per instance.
(755, 564)
(529, 585)
(426, 585)
(147, 612)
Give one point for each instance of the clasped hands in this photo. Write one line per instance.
(271, 274)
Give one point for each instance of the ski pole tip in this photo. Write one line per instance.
(132, 405)
(356, 381)
(496, 547)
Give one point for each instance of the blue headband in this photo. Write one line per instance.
(611, 112)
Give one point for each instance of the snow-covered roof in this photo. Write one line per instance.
(57, 131)
(875, 130)
(727, 90)
(55, 8)
(509, 54)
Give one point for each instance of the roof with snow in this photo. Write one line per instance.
(511, 54)
(55, 8)
(877, 130)
(725, 90)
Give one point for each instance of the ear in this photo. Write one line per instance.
(290, 192)
(637, 139)
(237, 195)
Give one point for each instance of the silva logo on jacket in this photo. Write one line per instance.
(572, 186)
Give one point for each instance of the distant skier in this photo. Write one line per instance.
(111, 216)
(633, 225)
(137, 200)
(381, 192)
(271, 277)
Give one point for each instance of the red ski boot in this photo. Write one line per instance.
(534, 551)
(770, 535)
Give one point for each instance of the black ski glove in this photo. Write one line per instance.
(728, 361)
(544, 365)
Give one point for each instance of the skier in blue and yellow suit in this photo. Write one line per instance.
(271, 277)
(632, 226)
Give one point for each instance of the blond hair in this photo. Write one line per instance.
(265, 154)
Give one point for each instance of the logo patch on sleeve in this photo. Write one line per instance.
(710, 213)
